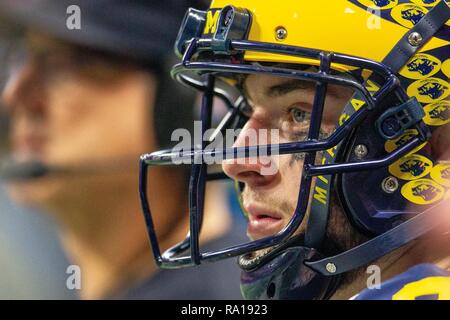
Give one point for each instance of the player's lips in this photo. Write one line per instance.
(262, 222)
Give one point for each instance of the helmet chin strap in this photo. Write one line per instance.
(384, 243)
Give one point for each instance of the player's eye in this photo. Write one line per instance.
(298, 115)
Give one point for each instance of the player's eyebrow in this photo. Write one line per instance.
(296, 84)
(288, 86)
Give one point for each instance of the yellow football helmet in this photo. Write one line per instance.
(394, 55)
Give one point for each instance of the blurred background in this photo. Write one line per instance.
(32, 261)
(85, 89)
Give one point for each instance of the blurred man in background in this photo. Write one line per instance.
(32, 262)
(87, 92)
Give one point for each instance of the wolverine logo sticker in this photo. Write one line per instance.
(440, 112)
(426, 3)
(441, 174)
(414, 15)
(408, 15)
(379, 4)
(433, 90)
(421, 66)
(423, 191)
(405, 138)
(426, 191)
(437, 114)
(394, 144)
(415, 167)
(411, 167)
(429, 90)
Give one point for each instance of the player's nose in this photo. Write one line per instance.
(259, 168)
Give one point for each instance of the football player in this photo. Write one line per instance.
(341, 160)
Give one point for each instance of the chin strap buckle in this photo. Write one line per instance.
(394, 121)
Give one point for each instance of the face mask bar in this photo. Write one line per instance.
(171, 258)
